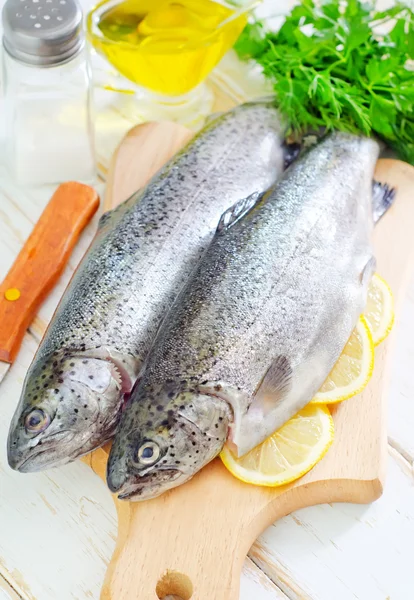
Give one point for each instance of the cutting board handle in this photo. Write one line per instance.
(190, 543)
(154, 558)
(151, 563)
(137, 574)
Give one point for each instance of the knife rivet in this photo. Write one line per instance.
(12, 294)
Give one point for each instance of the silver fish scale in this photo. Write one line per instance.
(288, 281)
(145, 249)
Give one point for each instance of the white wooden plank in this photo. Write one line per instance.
(254, 584)
(6, 591)
(15, 227)
(30, 201)
(57, 529)
(401, 402)
(346, 551)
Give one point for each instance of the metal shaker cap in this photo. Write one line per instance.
(42, 32)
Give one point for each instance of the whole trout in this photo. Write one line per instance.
(93, 350)
(260, 324)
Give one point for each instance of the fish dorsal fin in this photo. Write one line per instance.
(274, 386)
(238, 210)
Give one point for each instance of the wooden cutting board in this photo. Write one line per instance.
(192, 541)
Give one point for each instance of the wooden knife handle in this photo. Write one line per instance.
(42, 260)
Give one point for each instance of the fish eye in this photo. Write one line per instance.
(36, 421)
(148, 453)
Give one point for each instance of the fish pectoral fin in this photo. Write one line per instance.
(383, 197)
(274, 386)
(266, 409)
(238, 210)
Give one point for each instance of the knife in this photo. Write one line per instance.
(40, 263)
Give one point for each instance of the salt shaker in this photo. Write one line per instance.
(47, 93)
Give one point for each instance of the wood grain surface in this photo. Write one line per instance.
(58, 528)
(206, 527)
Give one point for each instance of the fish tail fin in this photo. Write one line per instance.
(291, 152)
(383, 197)
(295, 149)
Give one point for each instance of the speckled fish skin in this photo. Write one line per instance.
(257, 329)
(93, 349)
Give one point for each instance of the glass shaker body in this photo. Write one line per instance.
(49, 131)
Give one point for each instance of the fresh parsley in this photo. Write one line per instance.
(341, 65)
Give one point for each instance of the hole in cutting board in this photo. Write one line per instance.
(174, 586)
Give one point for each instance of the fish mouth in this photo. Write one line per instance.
(149, 486)
(25, 466)
(37, 459)
(31, 463)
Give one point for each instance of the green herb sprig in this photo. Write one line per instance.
(332, 66)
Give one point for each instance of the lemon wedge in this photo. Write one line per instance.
(379, 312)
(289, 453)
(353, 369)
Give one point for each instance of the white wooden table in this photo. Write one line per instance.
(57, 529)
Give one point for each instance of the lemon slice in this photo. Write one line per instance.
(353, 369)
(289, 453)
(379, 312)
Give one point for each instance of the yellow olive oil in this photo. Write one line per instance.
(167, 46)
